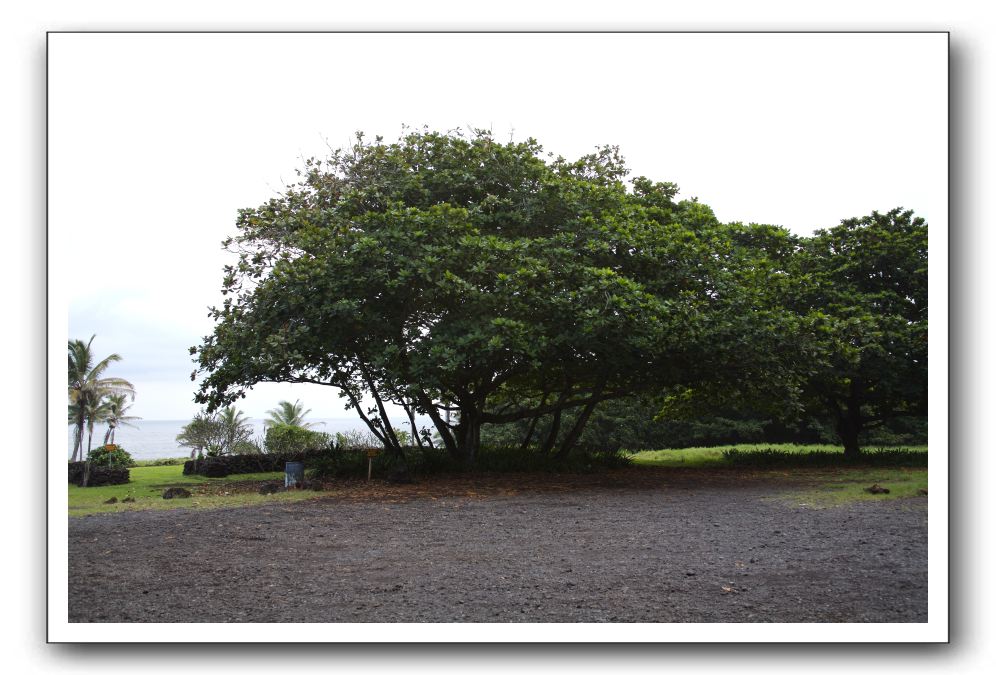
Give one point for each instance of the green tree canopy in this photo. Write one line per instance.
(452, 274)
(222, 432)
(863, 287)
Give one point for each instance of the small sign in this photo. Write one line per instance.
(372, 452)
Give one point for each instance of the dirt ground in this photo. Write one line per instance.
(629, 547)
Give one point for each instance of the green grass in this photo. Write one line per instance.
(821, 485)
(848, 486)
(700, 458)
(148, 482)
(827, 484)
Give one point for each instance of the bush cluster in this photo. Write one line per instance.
(287, 438)
(110, 455)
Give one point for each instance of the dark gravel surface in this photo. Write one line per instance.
(668, 552)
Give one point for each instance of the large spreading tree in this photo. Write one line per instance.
(862, 287)
(479, 282)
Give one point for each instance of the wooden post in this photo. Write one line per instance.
(371, 453)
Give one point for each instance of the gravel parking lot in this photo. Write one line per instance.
(654, 550)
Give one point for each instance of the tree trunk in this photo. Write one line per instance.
(849, 438)
(77, 442)
(415, 435)
(575, 432)
(392, 444)
(473, 439)
(849, 425)
(441, 426)
(529, 432)
(468, 434)
(551, 438)
(533, 422)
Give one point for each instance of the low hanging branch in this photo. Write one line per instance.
(592, 398)
(393, 445)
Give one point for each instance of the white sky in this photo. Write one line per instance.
(155, 141)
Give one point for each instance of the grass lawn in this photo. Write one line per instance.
(845, 485)
(831, 486)
(148, 482)
(820, 486)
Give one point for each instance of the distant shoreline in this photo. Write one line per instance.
(156, 439)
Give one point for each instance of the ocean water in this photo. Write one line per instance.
(156, 439)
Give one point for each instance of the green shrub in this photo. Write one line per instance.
(289, 439)
(248, 447)
(352, 462)
(162, 461)
(110, 455)
(898, 457)
(353, 439)
(344, 463)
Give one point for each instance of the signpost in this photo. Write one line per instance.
(371, 453)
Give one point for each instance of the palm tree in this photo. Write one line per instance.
(94, 411)
(289, 414)
(88, 387)
(117, 406)
(235, 428)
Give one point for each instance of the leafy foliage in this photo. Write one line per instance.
(222, 433)
(287, 439)
(484, 283)
(863, 288)
(110, 455)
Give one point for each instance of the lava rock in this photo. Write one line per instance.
(877, 489)
(214, 469)
(127, 499)
(112, 500)
(99, 475)
(176, 493)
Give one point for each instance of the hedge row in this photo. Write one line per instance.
(822, 458)
(218, 467)
(99, 475)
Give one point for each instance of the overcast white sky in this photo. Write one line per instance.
(155, 141)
